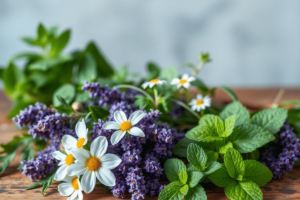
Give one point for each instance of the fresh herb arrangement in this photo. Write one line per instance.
(134, 137)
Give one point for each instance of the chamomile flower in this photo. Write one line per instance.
(123, 125)
(185, 81)
(81, 131)
(200, 103)
(65, 162)
(153, 82)
(94, 163)
(71, 186)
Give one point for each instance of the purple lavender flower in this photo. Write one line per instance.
(290, 152)
(42, 165)
(32, 114)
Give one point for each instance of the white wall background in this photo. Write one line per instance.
(251, 42)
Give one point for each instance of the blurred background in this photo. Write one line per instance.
(251, 43)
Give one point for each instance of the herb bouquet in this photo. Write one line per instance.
(133, 137)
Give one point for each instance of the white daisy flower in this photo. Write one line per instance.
(65, 162)
(69, 141)
(153, 82)
(200, 103)
(185, 81)
(71, 187)
(94, 163)
(123, 125)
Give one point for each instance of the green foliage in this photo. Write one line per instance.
(45, 182)
(67, 92)
(180, 148)
(183, 184)
(227, 90)
(98, 113)
(270, 119)
(142, 102)
(243, 116)
(44, 73)
(10, 149)
(241, 178)
(168, 73)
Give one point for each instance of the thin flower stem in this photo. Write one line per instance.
(277, 98)
(198, 69)
(155, 96)
(137, 89)
(202, 113)
(186, 107)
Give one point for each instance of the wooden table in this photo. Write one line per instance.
(13, 183)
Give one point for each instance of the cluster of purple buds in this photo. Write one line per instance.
(31, 115)
(42, 165)
(141, 168)
(290, 152)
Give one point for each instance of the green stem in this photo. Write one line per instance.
(198, 69)
(155, 96)
(278, 97)
(186, 107)
(137, 89)
(202, 113)
(128, 136)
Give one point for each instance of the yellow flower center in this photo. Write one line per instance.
(75, 183)
(80, 143)
(182, 81)
(154, 80)
(125, 126)
(199, 102)
(93, 163)
(69, 159)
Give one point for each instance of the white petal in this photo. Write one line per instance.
(81, 129)
(175, 81)
(178, 86)
(76, 169)
(80, 154)
(106, 177)
(136, 132)
(68, 142)
(120, 116)
(68, 178)
(145, 85)
(99, 146)
(110, 161)
(65, 189)
(185, 76)
(186, 85)
(59, 155)
(151, 85)
(61, 173)
(136, 116)
(80, 196)
(190, 79)
(117, 136)
(73, 196)
(199, 97)
(88, 181)
(111, 125)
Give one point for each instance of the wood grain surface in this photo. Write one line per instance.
(13, 183)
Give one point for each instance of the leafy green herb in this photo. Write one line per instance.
(241, 178)
(98, 113)
(243, 116)
(45, 182)
(270, 119)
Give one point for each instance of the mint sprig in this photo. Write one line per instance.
(184, 183)
(241, 178)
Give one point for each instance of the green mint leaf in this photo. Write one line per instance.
(219, 126)
(180, 149)
(211, 155)
(194, 178)
(203, 133)
(26, 154)
(197, 157)
(224, 148)
(59, 43)
(257, 173)
(221, 177)
(243, 116)
(47, 183)
(142, 102)
(12, 75)
(168, 73)
(172, 192)
(67, 92)
(87, 69)
(183, 176)
(184, 190)
(245, 190)
(234, 164)
(98, 113)
(196, 193)
(229, 125)
(212, 167)
(248, 137)
(174, 168)
(270, 119)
